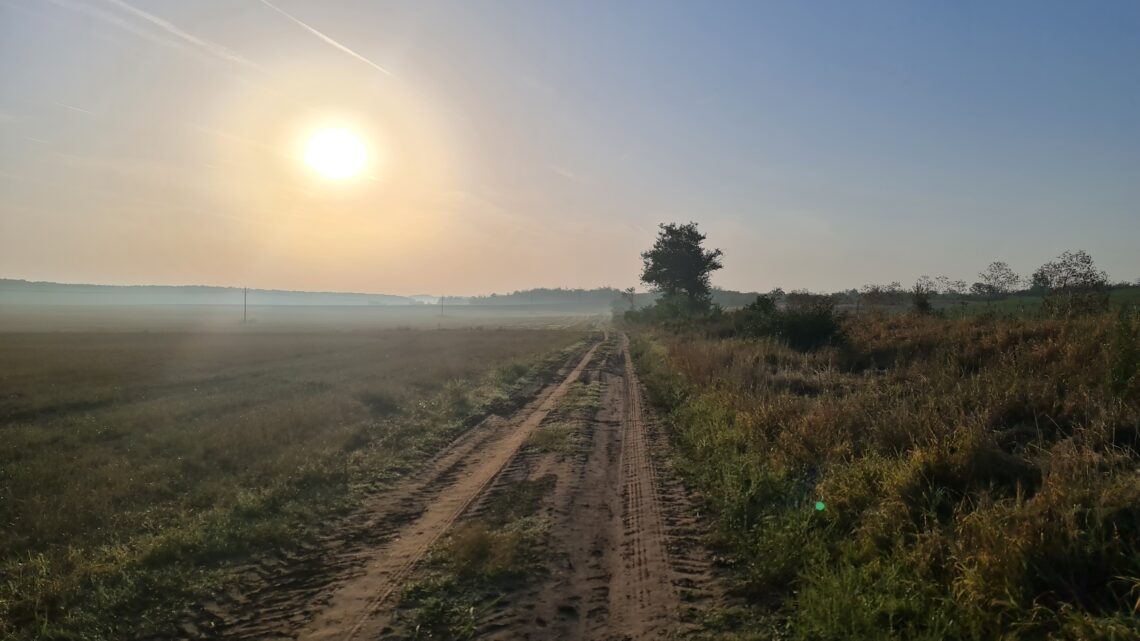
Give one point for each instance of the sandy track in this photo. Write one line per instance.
(643, 599)
(349, 613)
(624, 553)
(624, 545)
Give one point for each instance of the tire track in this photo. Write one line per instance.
(349, 613)
(643, 599)
(625, 556)
(571, 601)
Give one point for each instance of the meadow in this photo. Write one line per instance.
(924, 478)
(291, 318)
(138, 469)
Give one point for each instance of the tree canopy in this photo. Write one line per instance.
(678, 265)
(1072, 284)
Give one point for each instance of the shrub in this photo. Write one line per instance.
(809, 321)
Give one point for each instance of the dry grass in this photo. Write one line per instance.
(980, 477)
(132, 463)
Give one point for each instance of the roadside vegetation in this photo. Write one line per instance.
(912, 475)
(138, 470)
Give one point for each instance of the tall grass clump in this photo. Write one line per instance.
(927, 478)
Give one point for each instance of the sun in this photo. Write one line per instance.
(337, 154)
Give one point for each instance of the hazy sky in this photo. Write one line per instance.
(517, 144)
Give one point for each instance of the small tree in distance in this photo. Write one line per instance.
(630, 295)
(924, 288)
(996, 281)
(680, 267)
(1073, 284)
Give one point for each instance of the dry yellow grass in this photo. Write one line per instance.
(979, 478)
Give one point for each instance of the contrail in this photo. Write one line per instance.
(125, 25)
(74, 108)
(212, 47)
(323, 37)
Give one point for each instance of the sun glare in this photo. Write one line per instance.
(336, 153)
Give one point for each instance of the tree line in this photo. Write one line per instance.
(679, 268)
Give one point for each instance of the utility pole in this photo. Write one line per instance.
(245, 305)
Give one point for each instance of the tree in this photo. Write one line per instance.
(874, 295)
(926, 284)
(1072, 285)
(680, 267)
(997, 281)
(982, 290)
(920, 294)
(630, 294)
(803, 300)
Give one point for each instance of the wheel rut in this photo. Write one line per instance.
(625, 555)
(351, 609)
(643, 599)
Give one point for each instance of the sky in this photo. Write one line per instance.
(517, 144)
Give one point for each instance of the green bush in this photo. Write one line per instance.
(805, 324)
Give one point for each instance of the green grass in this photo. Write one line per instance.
(479, 561)
(980, 476)
(1026, 306)
(560, 437)
(136, 470)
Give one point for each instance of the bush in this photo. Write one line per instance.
(808, 322)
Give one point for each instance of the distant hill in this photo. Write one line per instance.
(22, 292)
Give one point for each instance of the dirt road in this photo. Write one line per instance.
(619, 554)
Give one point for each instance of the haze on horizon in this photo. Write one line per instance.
(515, 144)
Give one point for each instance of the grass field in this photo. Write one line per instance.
(931, 479)
(291, 318)
(137, 469)
(1017, 306)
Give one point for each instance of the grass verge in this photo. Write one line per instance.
(932, 479)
